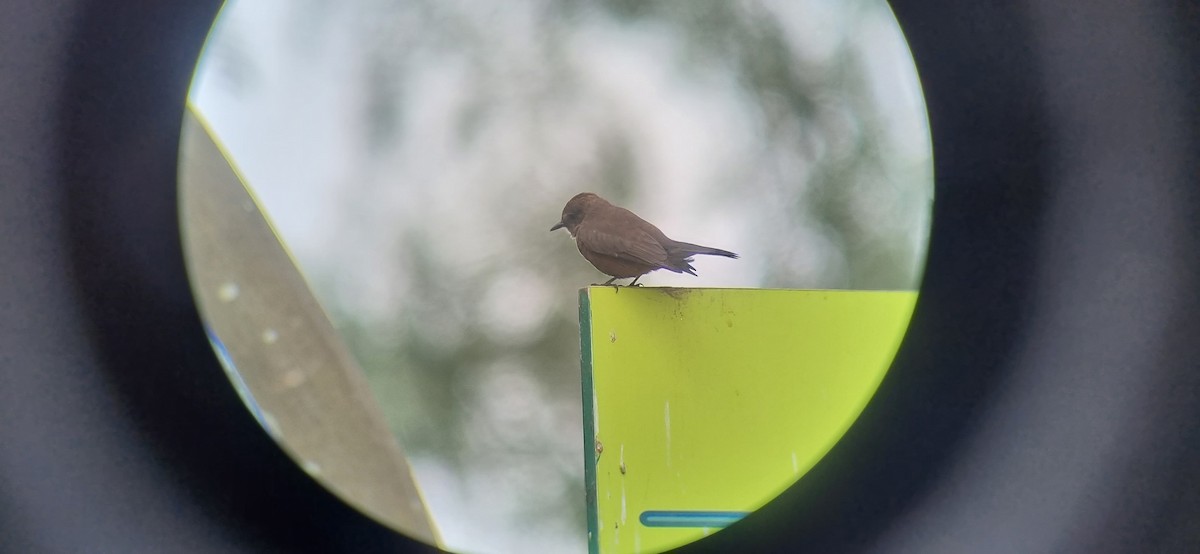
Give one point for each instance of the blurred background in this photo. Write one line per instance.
(413, 155)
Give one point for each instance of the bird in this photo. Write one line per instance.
(623, 245)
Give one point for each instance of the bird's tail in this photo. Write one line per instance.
(688, 249)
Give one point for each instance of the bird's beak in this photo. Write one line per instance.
(557, 226)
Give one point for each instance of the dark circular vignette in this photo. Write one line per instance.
(1041, 199)
(140, 379)
(106, 366)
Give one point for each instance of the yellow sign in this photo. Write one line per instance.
(701, 405)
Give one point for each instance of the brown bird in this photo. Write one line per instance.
(623, 245)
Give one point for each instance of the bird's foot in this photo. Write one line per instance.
(617, 287)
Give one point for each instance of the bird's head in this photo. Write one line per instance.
(576, 210)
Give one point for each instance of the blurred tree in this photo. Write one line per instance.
(769, 124)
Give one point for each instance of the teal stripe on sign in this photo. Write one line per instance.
(589, 421)
(689, 518)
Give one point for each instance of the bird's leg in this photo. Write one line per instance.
(616, 287)
(608, 283)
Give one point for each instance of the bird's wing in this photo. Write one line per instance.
(634, 244)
